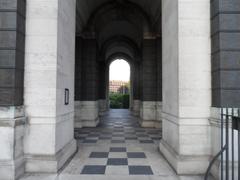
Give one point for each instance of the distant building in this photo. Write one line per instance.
(117, 86)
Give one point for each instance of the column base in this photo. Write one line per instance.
(150, 114)
(11, 170)
(148, 123)
(86, 114)
(12, 127)
(136, 107)
(50, 164)
(103, 107)
(184, 164)
(90, 123)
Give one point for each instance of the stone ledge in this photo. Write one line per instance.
(50, 163)
(184, 164)
(13, 122)
(89, 123)
(11, 112)
(150, 123)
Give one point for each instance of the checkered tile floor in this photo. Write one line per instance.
(118, 146)
(118, 130)
(115, 158)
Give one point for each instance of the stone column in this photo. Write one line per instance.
(225, 53)
(225, 33)
(103, 105)
(89, 105)
(149, 86)
(158, 123)
(49, 84)
(136, 86)
(186, 85)
(78, 81)
(12, 116)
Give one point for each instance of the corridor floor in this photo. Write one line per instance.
(117, 149)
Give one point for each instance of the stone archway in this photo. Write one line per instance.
(36, 124)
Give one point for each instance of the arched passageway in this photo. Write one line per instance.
(58, 81)
(118, 29)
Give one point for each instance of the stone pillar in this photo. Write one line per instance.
(12, 126)
(149, 86)
(12, 116)
(78, 81)
(158, 123)
(136, 92)
(49, 84)
(88, 104)
(103, 105)
(186, 85)
(225, 53)
(225, 33)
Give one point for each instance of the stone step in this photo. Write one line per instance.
(107, 177)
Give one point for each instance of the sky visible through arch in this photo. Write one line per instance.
(119, 70)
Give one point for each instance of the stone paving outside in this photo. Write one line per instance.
(117, 149)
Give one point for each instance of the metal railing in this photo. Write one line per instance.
(229, 155)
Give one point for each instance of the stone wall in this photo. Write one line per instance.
(149, 66)
(87, 81)
(159, 68)
(12, 47)
(225, 53)
(12, 113)
(78, 67)
(89, 71)
(151, 83)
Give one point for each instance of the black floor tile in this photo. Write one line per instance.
(89, 141)
(131, 138)
(93, 170)
(98, 155)
(140, 130)
(140, 170)
(146, 141)
(156, 138)
(117, 161)
(93, 135)
(118, 135)
(117, 141)
(81, 138)
(118, 149)
(136, 155)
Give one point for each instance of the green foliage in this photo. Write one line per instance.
(125, 101)
(119, 101)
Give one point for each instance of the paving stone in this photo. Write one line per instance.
(136, 155)
(140, 170)
(118, 149)
(117, 161)
(93, 169)
(99, 155)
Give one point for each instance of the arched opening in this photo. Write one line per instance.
(119, 86)
(113, 30)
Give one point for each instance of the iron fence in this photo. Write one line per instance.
(229, 154)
